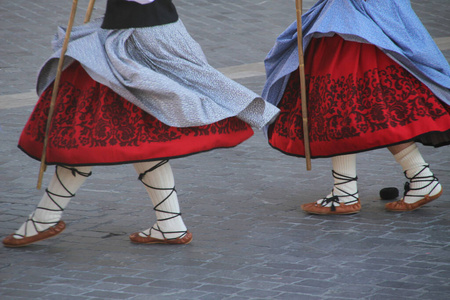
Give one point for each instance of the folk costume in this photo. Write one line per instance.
(136, 88)
(375, 78)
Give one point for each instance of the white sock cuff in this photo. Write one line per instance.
(400, 155)
(345, 164)
(410, 158)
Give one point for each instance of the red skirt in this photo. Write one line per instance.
(358, 99)
(92, 125)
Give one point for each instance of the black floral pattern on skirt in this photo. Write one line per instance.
(334, 118)
(94, 124)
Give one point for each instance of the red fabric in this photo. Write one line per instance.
(93, 125)
(358, 99)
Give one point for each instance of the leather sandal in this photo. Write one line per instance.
(336, 208)
(401, 205)
(331, 205)
(12, 242)
(182, 240)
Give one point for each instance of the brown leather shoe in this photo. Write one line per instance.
(400, 205)
(136, 238)
(11, 241)
(342, 209)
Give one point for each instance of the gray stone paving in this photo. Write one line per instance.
(251, 240)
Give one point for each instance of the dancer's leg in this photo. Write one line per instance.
(63, 186)
(160, 185)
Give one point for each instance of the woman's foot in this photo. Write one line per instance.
(45, 221)
(146, 237)
(15, 240)
(331, 206)
(343, 200)
(422, 188)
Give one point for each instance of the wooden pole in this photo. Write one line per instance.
(89, 10)
(301, 66)
(55, 92)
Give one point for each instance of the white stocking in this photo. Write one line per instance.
(160, 185)
(345, 187)
(63, 186)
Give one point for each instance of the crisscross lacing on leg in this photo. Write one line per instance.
(52, 196)
(163, 215)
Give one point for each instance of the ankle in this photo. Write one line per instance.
(422, 183)
(32, 226)
(169, 229)
(349, 200)
(345, 188)
(419, 171)
(44, 216)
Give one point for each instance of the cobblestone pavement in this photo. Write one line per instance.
(251, 239)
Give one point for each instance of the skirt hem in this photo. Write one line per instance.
(415, 140)
(125, 162)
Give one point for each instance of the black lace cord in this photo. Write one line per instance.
(51, 194)
(334, 199)
(417, 178)
(156, 207)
